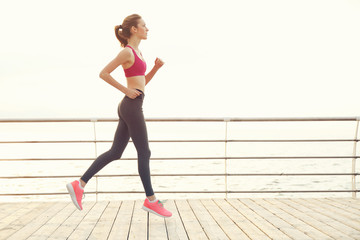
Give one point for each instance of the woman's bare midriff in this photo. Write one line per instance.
(136, 82)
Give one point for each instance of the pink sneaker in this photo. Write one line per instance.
(76, 193)
(156, 208)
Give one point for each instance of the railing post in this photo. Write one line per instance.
(94, 120)
(226, 120)
(353, 168)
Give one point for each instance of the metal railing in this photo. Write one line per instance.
(225, 141)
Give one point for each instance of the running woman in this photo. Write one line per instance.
(131, 118)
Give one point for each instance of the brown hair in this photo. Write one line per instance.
(122, 32)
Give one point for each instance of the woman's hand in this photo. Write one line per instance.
(158, 63)
(132, 93)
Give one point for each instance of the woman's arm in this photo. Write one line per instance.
(120, 59)
(158, 64)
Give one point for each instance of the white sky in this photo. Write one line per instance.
(222, 58)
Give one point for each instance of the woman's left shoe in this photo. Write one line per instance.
(156, 208)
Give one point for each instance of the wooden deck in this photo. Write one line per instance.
(244, 218)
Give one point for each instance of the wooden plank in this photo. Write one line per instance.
(298, 212)
(240, 220)
(174, 225)
(191, 223)
(328, 227)
(340, 222)
(8, 208)
(226, 224)
(352, 226)
(259, 221)
(355, 201)
(14, 222)
(345, 207)
(17, 214)
(210, 226)
(274, 219)
(157, 227)
(48, 228)
(88, 223)
(10, 212)
(295, 219)
(346, 202)
(103, 227)
(121, 226)
(138, 227)
(37, 222)
(71, 223)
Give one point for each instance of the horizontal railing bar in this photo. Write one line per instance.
(176, 141)
(16, 120)
(142, 192)
(296, 140)
(185, 158)
(194, 175)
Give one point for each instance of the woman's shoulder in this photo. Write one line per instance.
(124, 55)
(125, 52)
(127, 49)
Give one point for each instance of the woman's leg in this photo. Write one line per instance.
(120, 142)
(133, 116)
(138, 133)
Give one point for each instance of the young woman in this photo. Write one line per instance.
(131, 118)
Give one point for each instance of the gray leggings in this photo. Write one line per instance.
(131, 124)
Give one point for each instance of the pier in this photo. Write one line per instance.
(222, 211)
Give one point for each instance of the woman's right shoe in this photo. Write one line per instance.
(156, 208)
(76, 193)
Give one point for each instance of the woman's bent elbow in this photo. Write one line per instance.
(102, 74)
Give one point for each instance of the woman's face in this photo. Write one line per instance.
(141, 30)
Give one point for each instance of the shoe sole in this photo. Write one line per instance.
(152, 211)
(72, 194)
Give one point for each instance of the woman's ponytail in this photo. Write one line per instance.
(122, 32)
(119, 35)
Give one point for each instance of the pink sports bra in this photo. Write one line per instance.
(138, 68)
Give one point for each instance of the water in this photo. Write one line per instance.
(180, 131)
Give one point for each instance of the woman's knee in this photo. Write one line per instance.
(144, 157)
(115, 153)
(146, 154)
